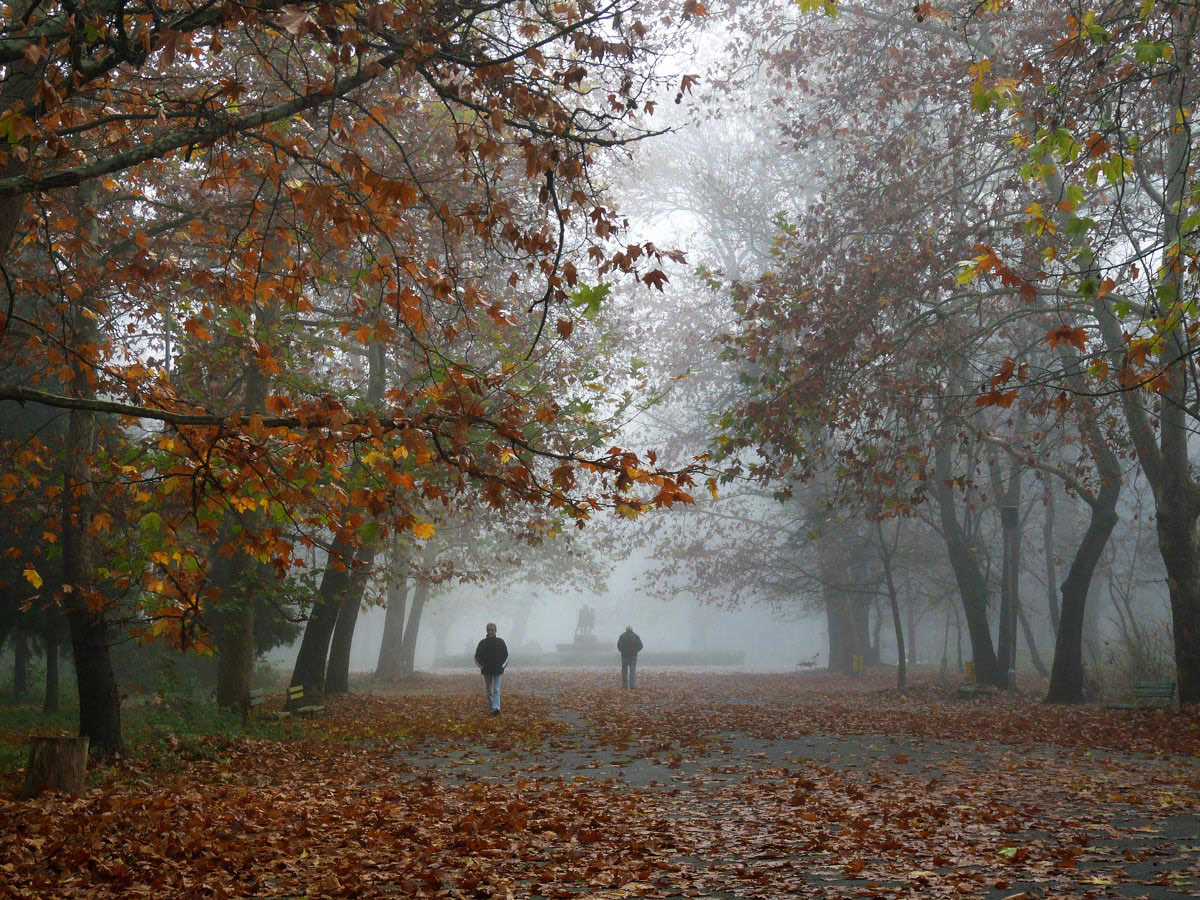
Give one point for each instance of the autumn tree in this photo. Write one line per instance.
(1099, 111)
(862, 349)
(219, 176)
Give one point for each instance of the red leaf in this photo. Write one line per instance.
(657, 278)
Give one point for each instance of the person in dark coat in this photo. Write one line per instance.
(628, 645)
(491, 655)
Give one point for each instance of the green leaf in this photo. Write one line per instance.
(1077, 226)
(1190, 223)
(589, 298)
(1151, 51)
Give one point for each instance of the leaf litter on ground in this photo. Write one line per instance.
(696, 785)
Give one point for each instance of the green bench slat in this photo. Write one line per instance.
(1148, 690)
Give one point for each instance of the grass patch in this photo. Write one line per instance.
(162, 734)
(19, 722)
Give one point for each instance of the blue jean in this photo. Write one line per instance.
(629, 672)
(492, 684)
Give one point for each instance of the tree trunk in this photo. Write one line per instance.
(50, 695)
(391, 649)
(99, 698)
(309, 670)
(408, 649)
(1066, 674)
(1164, 456)
(20, 666)
(55, 764)
(910, 610)
(944, 671)
(1181, 554)
(885, 555)
(337, 674)
(1034, 656)
(972, 586)
(1051, 566)
(843, 636)
(872, 656)
(232, 620)
(958, 639)
(16, 90)
(235, 634)
(1006, 633)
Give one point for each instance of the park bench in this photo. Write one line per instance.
(970, 689)
(1148, 695)
(299, 705)
(255, 699)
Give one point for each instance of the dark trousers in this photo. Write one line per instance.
(629, 672)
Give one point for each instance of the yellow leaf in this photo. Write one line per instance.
(424, 530)
(32, 576)
(712, 487)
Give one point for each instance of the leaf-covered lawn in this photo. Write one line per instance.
(694, 786)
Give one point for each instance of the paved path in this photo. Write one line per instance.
(857, 816)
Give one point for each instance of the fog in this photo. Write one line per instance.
(456, 614)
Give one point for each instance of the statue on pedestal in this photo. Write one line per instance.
(585, 623)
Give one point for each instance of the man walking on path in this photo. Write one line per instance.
(491, 655)
(628, 645)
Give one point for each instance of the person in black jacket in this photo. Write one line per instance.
(491, 655)
(628, 645)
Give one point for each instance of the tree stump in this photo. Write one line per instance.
(55, 764)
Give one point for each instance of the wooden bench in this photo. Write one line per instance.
(1148, 695)
(255, 698)
(297, 703)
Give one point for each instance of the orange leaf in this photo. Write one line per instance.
(996, 398)
(1066, 335)
(277, 405)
